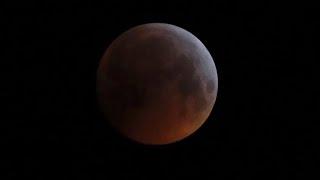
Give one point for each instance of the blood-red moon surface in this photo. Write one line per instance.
(157, 83)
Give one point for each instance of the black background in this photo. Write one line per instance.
(262, 125)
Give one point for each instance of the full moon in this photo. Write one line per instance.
(156, 84)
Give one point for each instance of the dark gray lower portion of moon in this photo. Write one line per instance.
(157, 83)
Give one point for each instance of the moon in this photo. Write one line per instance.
(156, 83)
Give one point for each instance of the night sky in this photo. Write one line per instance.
(262, 125)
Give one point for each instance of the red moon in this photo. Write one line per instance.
(156, 83)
